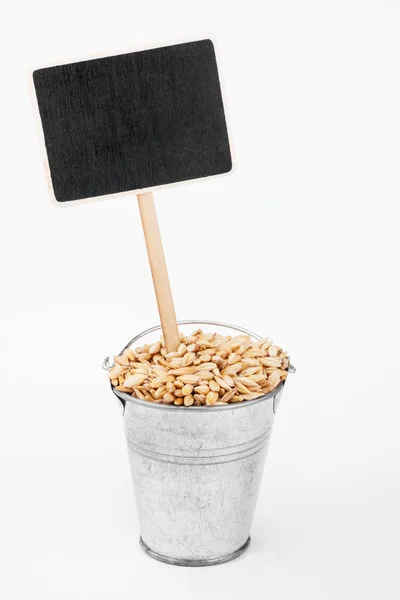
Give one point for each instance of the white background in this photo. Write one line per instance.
(299, 242)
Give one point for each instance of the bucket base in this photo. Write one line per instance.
(184, 562)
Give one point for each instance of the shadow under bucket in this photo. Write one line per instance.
(197, 470)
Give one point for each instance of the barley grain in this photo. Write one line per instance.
(134, 380)
(187, 389)
(155, 348)
(202, 389)
(170, 387)
(211, 398)
(188, 400)
(168, 397)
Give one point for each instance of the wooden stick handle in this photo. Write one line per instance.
(159, 271)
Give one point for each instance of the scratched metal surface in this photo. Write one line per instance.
(197, 474)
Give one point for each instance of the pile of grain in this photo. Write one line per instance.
(207, 369)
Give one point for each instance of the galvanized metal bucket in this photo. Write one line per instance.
(197, 470)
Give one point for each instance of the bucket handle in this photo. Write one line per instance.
(107, 364)
(277, 398)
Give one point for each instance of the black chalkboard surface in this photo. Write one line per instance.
(133, 121)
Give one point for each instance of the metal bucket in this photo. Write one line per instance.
(197, 470)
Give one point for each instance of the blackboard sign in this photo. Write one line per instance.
(133, 121)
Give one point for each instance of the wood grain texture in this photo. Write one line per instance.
(159, 271)
(133, 121)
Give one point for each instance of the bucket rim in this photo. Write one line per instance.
(124, 397)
